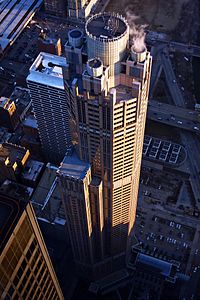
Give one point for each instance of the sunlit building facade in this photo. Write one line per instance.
(108, 105)
(26, 271)
(45, 82)
(80, 9)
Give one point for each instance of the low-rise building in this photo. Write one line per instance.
(12, 161)
(49, 45)
(8, 114)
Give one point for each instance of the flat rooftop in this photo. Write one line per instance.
(47, 70)
(4, 135)
(32, 170)
(45, 184)
(14, 16)
(3, 102)
(13, 200)
(106, 26)
(30, 121)
(162, 266)
(46, 199)
(48, 40)
(109, 282)
(123, 93)
(72, 166)
(12, 152)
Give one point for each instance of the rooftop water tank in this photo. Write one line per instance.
(75, 37)
(95, 67)
(138, 56)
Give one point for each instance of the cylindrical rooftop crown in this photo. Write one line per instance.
(75, 37)
(107, 39)
(138, 56)
(95, 67)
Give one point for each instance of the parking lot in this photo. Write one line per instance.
(165, 238)
(159, 185)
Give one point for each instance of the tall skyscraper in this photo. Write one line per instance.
(80, 9)
(26, 271)
(109, 104)
(45, 82)
(56, 7)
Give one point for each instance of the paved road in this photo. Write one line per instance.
(155, 39)
(178, 112)
(191, 145)
(156, 68)
(171, 81)
(174, 116)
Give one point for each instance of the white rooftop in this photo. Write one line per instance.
(47, 70)
(3, 101)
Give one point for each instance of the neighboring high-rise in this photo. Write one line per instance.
(45, 82)
(108, 98)
(26, 271)
(56, 7)
(80, 9)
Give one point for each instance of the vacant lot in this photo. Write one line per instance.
(159, 15)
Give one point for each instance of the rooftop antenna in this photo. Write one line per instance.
(113, 25)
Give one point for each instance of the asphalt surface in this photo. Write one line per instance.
(174, 116)
(189, 140)
(188, 49)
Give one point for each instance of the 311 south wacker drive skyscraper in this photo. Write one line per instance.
(107, 86)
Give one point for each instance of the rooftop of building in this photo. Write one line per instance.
(161, 265)
(123, 93)
(45, 185)
(106, 26)
(75, 33)
(4, 135)
(46, 199)
(4, 101)
(22, 100)
(109, 282)
(10, 153)
(47, 70)
(47, 39)
(30, 121)
(13, 200)
(72, 166)
(154, 265)
(14, 16)
(32, 170)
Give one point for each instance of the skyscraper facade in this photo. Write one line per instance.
(80, 8)
(109, 105)
(45, 82)
(56, 7)
(26, 271)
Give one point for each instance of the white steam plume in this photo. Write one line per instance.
(137, 32)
